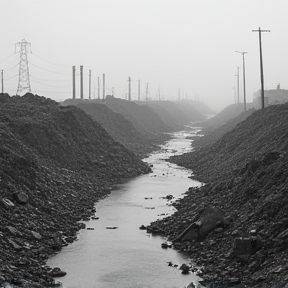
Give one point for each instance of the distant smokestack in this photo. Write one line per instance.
(129, 87)
(138, 90)
(103, 87)
(89, 84)
(99, 88)
(73, 84)
(81, 82)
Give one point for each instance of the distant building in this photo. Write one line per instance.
(271, 97)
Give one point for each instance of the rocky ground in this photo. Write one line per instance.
(247, 177)
(55, 163)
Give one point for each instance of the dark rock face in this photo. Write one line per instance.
(55, 163)
(246, 176)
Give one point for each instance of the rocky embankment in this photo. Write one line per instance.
(236, 225)
(55, 163)
(120, 128)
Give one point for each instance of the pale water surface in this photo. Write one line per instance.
(128, 257)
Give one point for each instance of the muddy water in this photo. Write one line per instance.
(128, 257)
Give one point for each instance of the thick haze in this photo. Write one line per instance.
(170, 44)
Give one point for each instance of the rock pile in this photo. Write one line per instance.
(118, 127)
(55, 163)
(246, 176)
(144, 119)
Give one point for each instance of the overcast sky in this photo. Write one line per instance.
(171, 44)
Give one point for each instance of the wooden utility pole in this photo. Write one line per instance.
(244, 85)
(237, 85)
(261, 66)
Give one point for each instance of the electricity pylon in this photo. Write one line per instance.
(24, 81)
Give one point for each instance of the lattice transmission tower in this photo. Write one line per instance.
(24, 81)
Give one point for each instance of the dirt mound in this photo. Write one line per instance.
(213, 135)
(118, 127)
(143, 118)
(223, 116)
(55, 162)
(247, 177)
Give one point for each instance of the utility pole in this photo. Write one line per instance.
(113, 91)
(129, 89)
(234, 94)
(24, 81)
(73, 82)
(103, 87)
(237, 85)
(138, 90)
(81, 82)
(147, 85)
(98, 88)
(244, 86)
(89, 84)
(159, 96)
(2, 81)
(261, 66)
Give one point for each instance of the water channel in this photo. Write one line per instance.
(128, 257)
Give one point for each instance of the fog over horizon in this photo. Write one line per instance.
(184, 45)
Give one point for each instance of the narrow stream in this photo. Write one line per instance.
(128, 257)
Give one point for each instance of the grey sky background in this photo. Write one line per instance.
(170, 44)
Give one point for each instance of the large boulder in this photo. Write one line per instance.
(209, 219)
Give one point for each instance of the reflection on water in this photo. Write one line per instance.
(128, 257)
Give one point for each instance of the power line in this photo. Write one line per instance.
(11, 67)
(65, 65)
(52, 80)
(48, 92)
(49, 84)
(49, 70)
(7, 57)
(7, 79)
